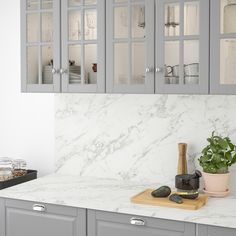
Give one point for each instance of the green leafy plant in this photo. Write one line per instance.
(218, 156)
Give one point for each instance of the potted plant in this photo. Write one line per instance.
(215, 160)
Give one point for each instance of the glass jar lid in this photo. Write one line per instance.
(5, 161)
(19, 164)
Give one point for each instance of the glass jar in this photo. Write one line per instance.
(19, 167)
(6, 169)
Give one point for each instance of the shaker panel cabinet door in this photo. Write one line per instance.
(182, 46)
(215, 231)
(223, 47)
(30, 219)
(40, 45)
(130, 46)
(107, 224)
(83, 46)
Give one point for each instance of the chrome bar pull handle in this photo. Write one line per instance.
(39, 208)
(137, 222)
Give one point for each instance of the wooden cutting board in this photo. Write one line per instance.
(145, 197)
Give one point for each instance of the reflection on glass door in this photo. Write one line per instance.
(129, 50)
(83, 45)
(181, 53)
(228, 42)
(228, 61)
(181, 36)
(39, 41)
(130, 47)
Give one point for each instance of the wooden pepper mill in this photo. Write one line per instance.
(182, 164)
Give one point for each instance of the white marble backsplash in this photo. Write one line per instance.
(135, 137)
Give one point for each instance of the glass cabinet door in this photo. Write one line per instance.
(83, 45)
(182, 45)
(40, 45)
(223, 47)
(130, 46)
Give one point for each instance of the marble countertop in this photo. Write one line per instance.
(114, 196)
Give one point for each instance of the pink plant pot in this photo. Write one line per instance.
(216, 182)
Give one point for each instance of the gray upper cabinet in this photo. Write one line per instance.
(204, 230)
(107, 224)
(182, 46)
(30, 219)
(223, 47)
(40, 40)
(130, 46)
(63, 45)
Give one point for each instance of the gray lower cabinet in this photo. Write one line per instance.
(107, 224)
(20, 218)
(203, 230)
(24, 218)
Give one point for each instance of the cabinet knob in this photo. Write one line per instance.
(55, 71)
(63, 71)
(159, 70)
(137, 221)
(38, 207)
(149, 70)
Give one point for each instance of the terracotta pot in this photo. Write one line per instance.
(216, 182)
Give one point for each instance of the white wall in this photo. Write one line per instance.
(26, 120)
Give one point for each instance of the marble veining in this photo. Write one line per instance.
(114, 196)
(135, 137)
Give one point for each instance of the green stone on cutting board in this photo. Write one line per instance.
(176, 198)
(161, 192)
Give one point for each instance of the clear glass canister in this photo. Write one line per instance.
(20, 167)
(6, 168)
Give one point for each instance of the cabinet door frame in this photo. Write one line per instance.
(83, 88)
(70, 214)
(205, 230)
(93, 218)
(2, 217)
(204, 24)
(216, 36)
(148, 87)
(42, 88)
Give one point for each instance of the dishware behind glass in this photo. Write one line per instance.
(191, 69)
(141, 17)
(175, 70)
(168, 70)
(91, 23)
(173, 80)
(95, 67)
(191, 79)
